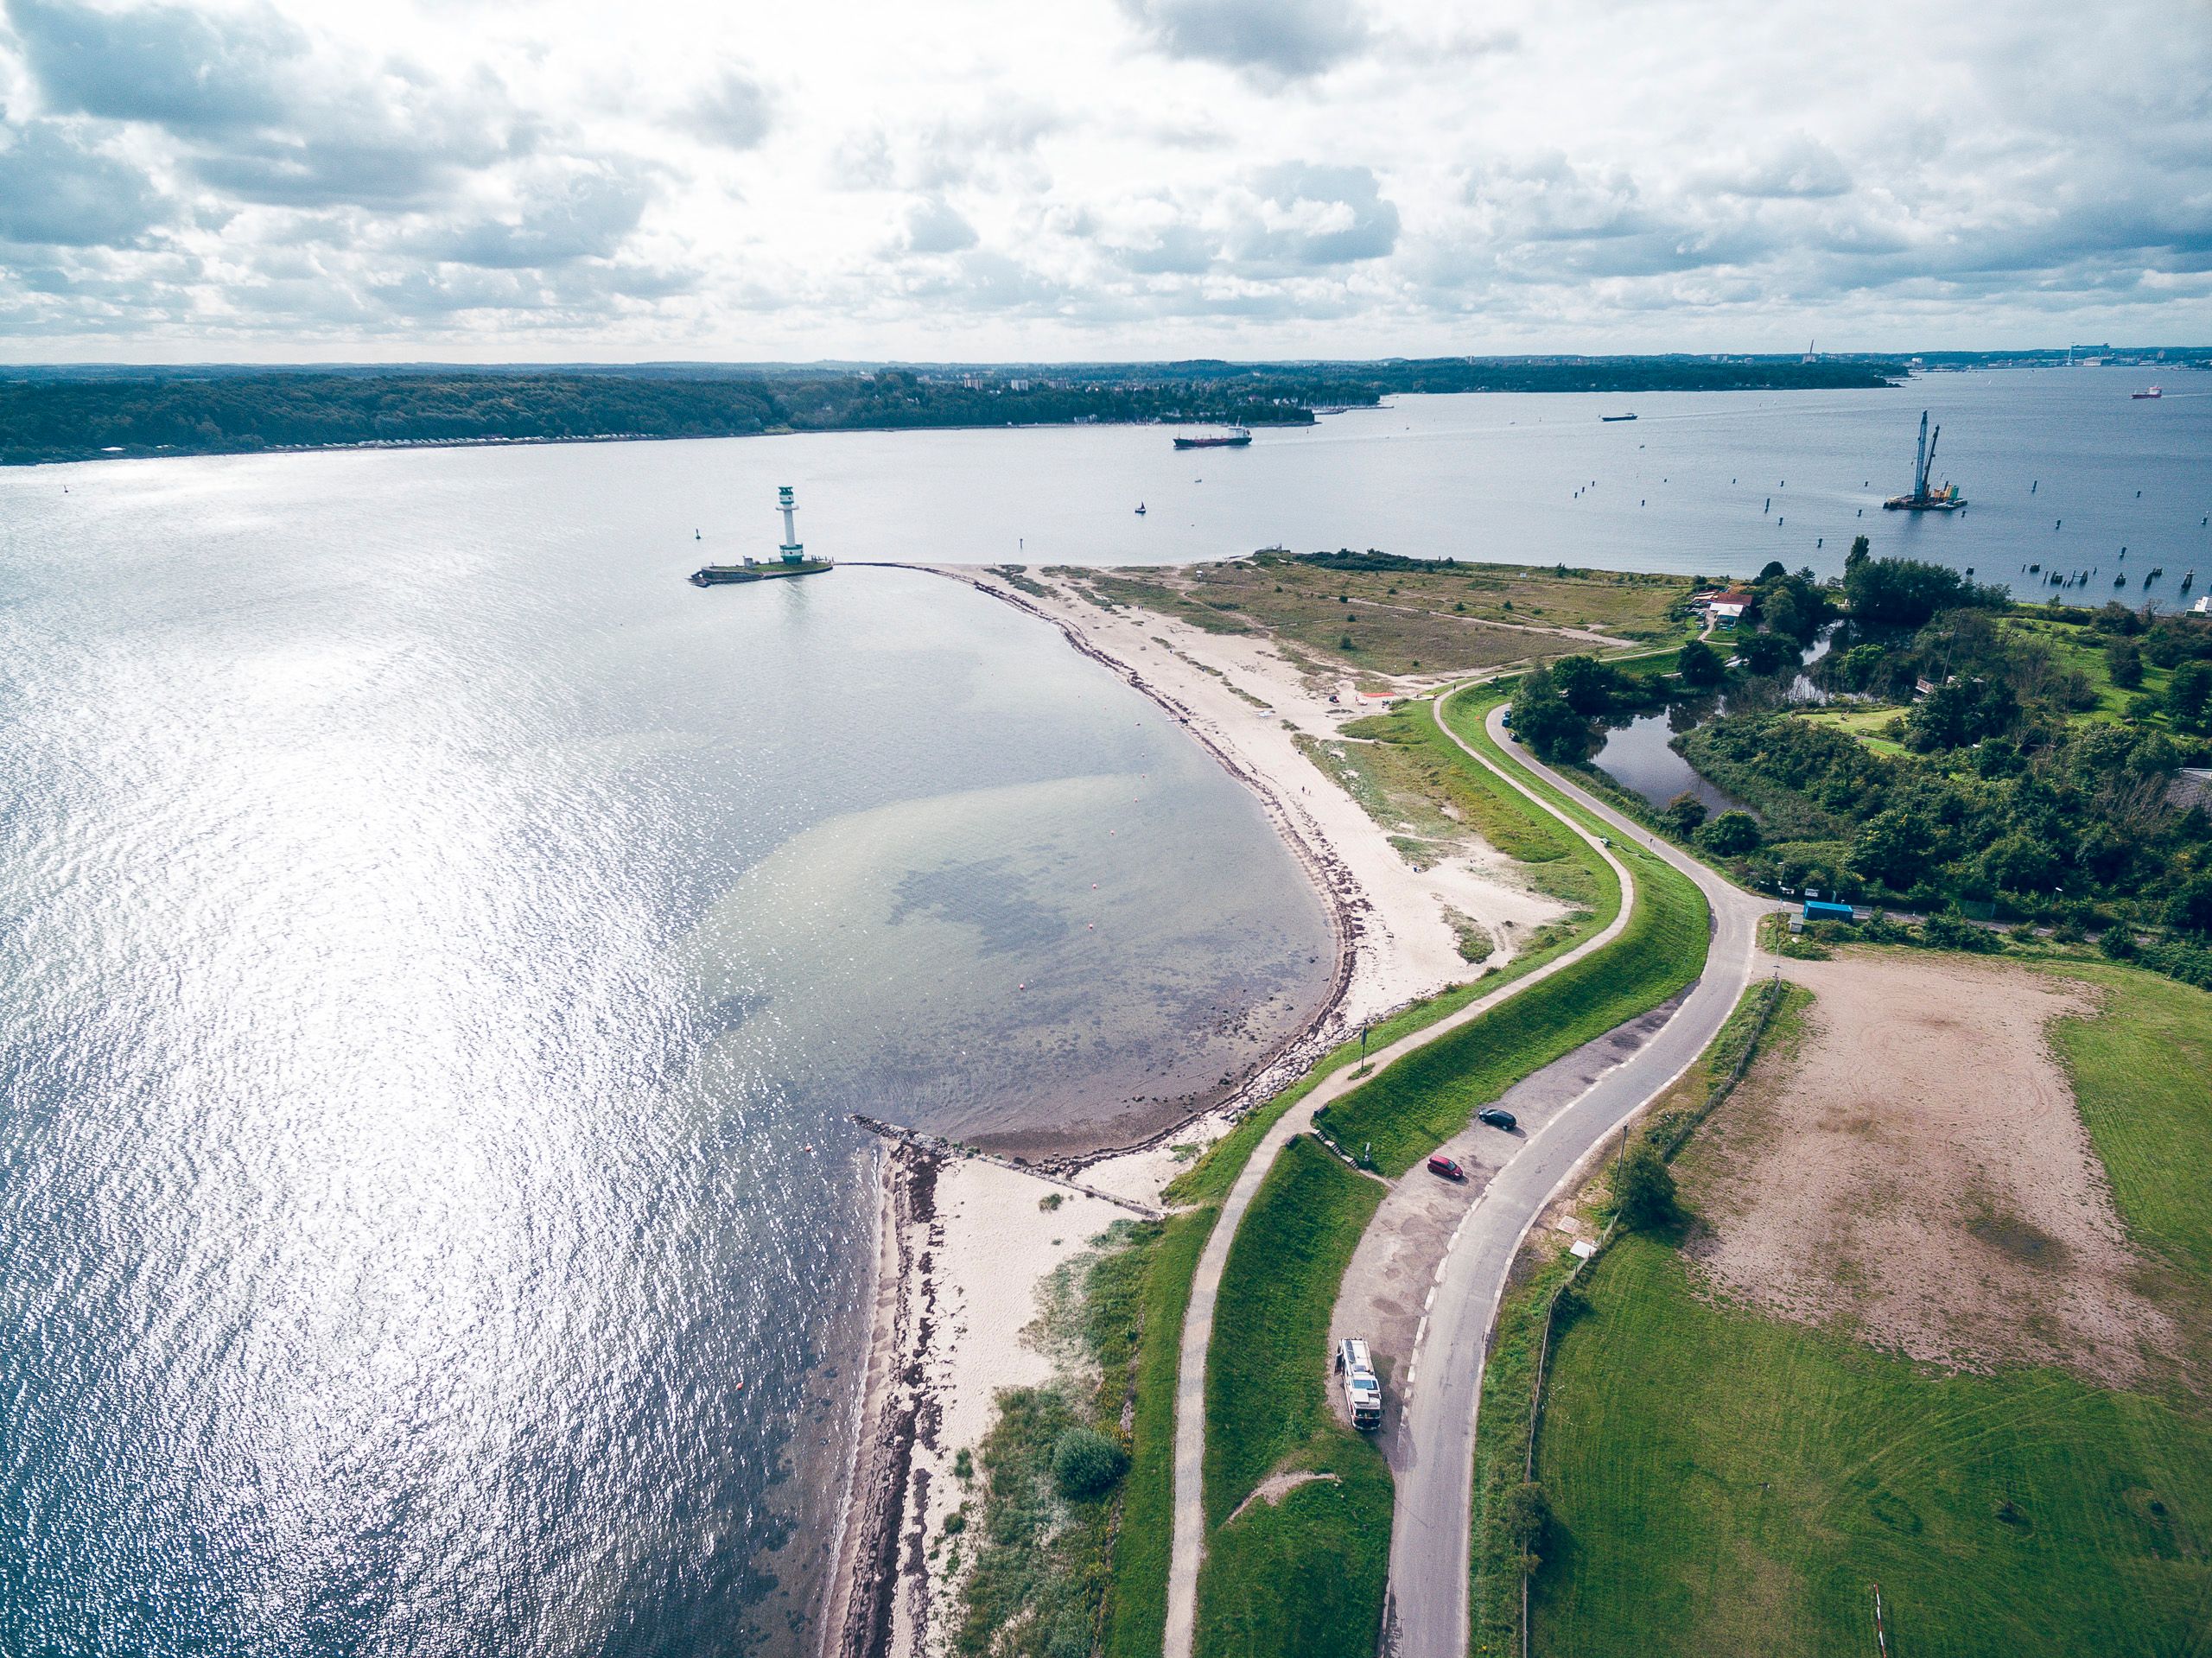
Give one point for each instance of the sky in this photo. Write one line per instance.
(1100, 180)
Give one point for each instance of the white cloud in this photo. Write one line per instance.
(1107, 178)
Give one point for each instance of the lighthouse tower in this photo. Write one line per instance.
(793, 553)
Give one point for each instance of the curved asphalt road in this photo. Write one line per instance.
(1187, 1544)
(1430, 1537)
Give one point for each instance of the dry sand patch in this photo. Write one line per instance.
(1917, 1167)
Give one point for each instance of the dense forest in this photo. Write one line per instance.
(75, 419)
(84, 413)
(2003, 782)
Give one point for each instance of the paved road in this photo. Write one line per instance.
(1187, 1546)
(1430, 1536)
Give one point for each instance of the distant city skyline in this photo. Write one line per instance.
(1102, 180)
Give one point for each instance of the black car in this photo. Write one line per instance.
(1496, 1118)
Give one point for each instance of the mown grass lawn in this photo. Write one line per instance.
(1725, 1481)
(1304, 1575)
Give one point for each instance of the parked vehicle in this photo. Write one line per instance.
(1363, 1387)
(1444, 1165)
(1497, 1119)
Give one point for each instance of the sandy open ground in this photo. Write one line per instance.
(1917, 1167)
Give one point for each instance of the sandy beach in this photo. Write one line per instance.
(966, 1244)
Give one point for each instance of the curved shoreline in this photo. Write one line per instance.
(896, 1401)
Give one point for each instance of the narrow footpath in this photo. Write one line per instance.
(1431, 1538)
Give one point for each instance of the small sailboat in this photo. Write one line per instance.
(1140, 509)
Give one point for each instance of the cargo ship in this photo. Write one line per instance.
(1234, 438)
(2151, 391)
(1923, 499)
(791, 560)
(1610, 419)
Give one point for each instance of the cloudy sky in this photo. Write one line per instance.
(978, 178)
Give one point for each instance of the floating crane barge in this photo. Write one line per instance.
(1923, 499)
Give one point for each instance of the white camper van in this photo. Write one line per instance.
(1362, 1388)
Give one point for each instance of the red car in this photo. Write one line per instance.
(1444, 1165)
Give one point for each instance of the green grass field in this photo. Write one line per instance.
(1304, 1575)
(1726, 1480)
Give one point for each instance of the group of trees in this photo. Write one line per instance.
(65, 415)
(2005, 795)
(2005, 802)
(2137, 640)
(1557, 707)
(74, 418)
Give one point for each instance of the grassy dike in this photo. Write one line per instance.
(1302, 1574)
(1429, 1095)
(1725, 1480)
(1136, 1610)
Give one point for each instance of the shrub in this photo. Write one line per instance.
(1527, 1511)
(1951, 931)
(1730, 835)
(1087, 1464)
(1644, 1189)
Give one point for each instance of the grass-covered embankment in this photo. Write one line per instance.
(1428, 1096)
(1724, 1480)
(1304, 1574)
(1136, 1609)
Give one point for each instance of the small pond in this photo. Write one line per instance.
(1636, 755)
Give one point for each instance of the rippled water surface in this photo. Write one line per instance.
(443, 948)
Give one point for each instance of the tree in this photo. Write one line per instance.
(1542, 720)
(1858, 555)
(2124, 662)
(1527, 1516)
(1585, 682)
(1732, 835)
(1700, 665)
(1862, 665)
(1907, 591)
(1895, 848)
(1769, 653)
(1085, 1462)
(1685, 812)
(2020, 863)
(2190, 910)
(1644, 1189)
(2189, 695)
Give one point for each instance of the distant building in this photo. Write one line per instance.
(1730, 605)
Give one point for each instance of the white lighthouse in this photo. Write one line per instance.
(793, 553)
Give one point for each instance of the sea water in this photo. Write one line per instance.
(443, 950)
